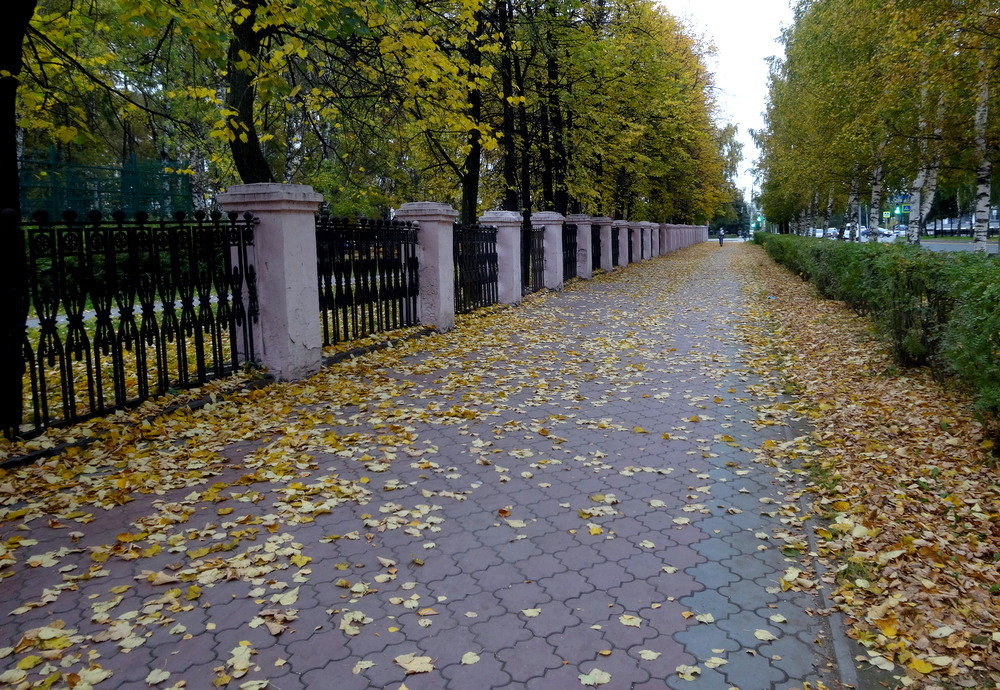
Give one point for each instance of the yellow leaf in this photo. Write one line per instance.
(29, 662)
(921, 666)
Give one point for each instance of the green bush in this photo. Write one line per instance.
(940, 309)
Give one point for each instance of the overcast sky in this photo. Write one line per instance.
(745, 32)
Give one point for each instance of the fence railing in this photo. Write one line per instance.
(569, 251)
(368, 277)
(476, 269)
(121, 310)
(534, 266)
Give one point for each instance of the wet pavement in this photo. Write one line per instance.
(566, 490)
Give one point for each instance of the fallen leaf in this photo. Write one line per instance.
(594, 678)
(157, 676)
(361, 666)
(414, 664)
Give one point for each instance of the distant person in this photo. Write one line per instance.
(722, 236)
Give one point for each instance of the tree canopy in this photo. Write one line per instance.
(601, 106)
(878, 99)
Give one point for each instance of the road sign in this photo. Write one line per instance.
(907, 208)
(886, 214)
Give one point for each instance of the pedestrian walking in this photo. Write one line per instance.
(722, 236)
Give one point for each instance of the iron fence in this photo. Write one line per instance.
(615, 245)
(121, 310)
(595, 247)
(534, 265)
(569, 251)
(631, 252)
(476, 269)
(368, 277)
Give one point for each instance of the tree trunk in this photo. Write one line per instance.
(852, 212)
(560, 195)
(545, 155)
(241, 94)
(508, 126)
(14, 277)
(984, 173)
(875, 212)
(473, 160)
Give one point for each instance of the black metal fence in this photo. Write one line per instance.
(121, 310)
(368, 277)
(595, 247)
(534, 262)
(631, 251)
(615, 245)
(569, 251)
(476, 269)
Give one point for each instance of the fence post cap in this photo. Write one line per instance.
(270, 196)
(601, 220)
(547, 216)
(494, 217)
(647, 223)
(577, 218)
(426, 210)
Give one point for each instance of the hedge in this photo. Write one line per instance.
(940, 309)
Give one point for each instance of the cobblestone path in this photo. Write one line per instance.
(575, 502)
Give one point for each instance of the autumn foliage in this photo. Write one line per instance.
(903, 484)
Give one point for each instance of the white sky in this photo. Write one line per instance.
(744, 32)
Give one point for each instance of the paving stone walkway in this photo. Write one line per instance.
(577, 491)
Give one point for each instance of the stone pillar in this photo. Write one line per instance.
(584, 262)
(552, 247)
(647, 239)
(654, 231)
(288, 337)
(605, 224)
(508, 225)
(635, 234)
(623, 241)
(436, 258)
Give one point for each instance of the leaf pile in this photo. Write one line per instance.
(901, 476)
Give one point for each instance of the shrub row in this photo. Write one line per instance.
(940, 309)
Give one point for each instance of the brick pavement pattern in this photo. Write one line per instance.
(577, 492)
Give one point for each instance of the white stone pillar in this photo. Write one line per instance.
(288, 337)
(635, 234)
(584, 249)
(436, 258)
(623, 241)
(605, 224)
(508, 225)
(552, 246)
(647, 239)
(654, 231)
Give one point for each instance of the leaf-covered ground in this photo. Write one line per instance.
(565, 494)
(903, 480)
